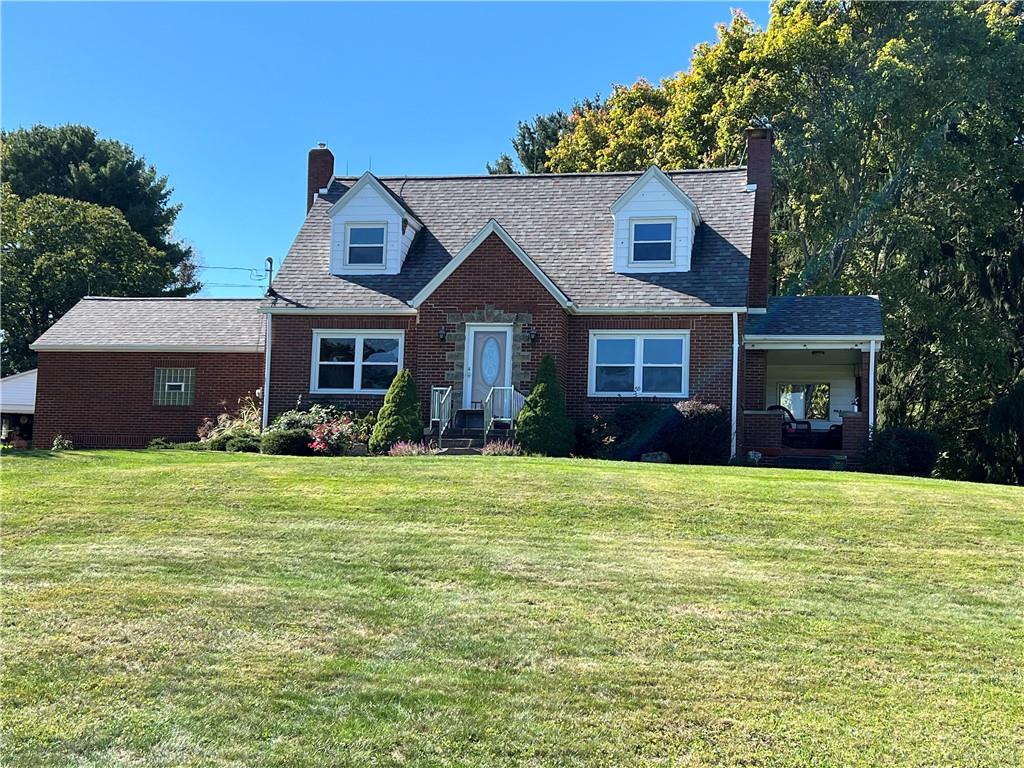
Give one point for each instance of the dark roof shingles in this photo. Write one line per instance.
(563, 222)
(110, 321)
(818, 316)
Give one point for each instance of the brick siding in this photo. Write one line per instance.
(105, 399)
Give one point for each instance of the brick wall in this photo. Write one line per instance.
(492, 285)
(105, 399)
(710, 357)
(291, 353)
(762, 429)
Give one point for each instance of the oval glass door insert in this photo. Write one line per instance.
(490, 361)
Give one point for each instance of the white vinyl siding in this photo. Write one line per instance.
(174, 386)
(368, 209)
(360, 361)
(653, 203)
(639, 364)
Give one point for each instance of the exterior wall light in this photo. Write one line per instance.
(442, 333)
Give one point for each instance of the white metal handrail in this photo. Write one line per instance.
(502, 404)
(441, 408)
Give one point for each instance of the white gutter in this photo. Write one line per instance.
(871, 388)
(584, 310)
(213, 348)
(266, 373)
(735, 377)
(336, 311)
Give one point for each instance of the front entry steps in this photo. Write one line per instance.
(465, 436)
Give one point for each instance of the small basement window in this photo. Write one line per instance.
(364, 245)
(174, 386)
(651, 240)
(805, 401)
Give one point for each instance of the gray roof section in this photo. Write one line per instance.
(107, 322)
(564, 223)
(818, 316)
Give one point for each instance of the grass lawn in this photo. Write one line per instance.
(166, 608)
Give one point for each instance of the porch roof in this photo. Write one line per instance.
(817, 318)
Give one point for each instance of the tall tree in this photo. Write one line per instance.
(534, 140)
(73, 161)
(53, 251)
(899, 170)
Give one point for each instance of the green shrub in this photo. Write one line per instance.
(703, 434)
(242, 441)
(286, 442)
(306, 418)
(656, 433)
(194, 446)
(218, 442)
(399, 418)
(902, 451)
(160, 443)
(544, 426)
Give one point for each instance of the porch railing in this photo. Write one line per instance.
(440, 410)
(503, 405)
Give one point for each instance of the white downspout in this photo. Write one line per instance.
(871, 387)
(266, 373)
(735, 376)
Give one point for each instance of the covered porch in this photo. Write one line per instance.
(812, 400)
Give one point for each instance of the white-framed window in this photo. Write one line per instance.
(365, 244)
(652, 241)
(174, 386)
(355, 361)
(806, 401)
(639, 364)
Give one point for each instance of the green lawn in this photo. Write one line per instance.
(172, 608)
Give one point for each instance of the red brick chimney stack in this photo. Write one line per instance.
(320, 173)
(759, 172)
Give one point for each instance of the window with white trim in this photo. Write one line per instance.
(174, 386)
(630, 364)
(651, 241)
(364, 245)
(355, 361)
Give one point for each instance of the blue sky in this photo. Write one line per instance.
(227, 98)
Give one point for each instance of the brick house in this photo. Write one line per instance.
(649, 285)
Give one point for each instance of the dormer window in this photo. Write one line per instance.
(364, 245)
(651, 241)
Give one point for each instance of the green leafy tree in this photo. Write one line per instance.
(504, 164)
(544, 425)
(80, 215)
(53, 251)
(899, 170)
(73, 161)
(399, 418)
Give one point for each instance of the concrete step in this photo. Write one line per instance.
(462, 442)
(459, 452)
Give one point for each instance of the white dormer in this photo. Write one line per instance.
(371, 231)
(655, 223)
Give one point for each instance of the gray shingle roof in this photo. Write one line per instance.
(166, 322)
(818, 316)
(562, 221)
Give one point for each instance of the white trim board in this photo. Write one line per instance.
(145, 348)
(811, 342)
(492, 227)
(381, 311)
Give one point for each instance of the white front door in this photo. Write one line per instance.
(488, 362)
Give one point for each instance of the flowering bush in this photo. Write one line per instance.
(501, 448)
(334, 437)
(61, 443)
(246, 419)
(405, 448)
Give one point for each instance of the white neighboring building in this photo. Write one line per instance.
(17, 405)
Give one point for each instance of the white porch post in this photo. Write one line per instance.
(871, 386)
(266, 373)
(735, 377)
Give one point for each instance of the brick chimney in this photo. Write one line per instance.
(759, 172)
(320, 171)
